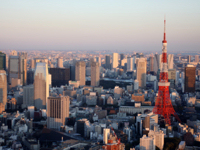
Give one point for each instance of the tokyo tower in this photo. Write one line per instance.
(163, 105)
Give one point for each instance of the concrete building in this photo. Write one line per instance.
(130, 63)
(18, 67)
(41, 85)
(98, 59)
(197, 58)
(60, 62)
(114, 60)
(106, 134)
(157, 62)
(189, 58)
(2, 61)
(158, 138)
(80, 72)
(147, 143)
(57, 111)
(190, 77)
(95, 74)
(3, 88)
(170, 61)
(28, 95)
(59, 76)
(141, 72)
(151, 63)
(107, 62)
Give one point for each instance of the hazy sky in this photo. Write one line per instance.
(99, 25)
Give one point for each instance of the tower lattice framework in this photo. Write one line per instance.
(163, 105)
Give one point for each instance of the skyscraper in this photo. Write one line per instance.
(190, 77)
(151, 63)
(98, 59)
(28, 95)
(18, 67)
(114, 60)
(189, 58)
(80, 72)
(23, 67)
(2, 61)
(41, 85)
(130, 63)
(3, 87)
(141, 72)
(157, 62)
(59, 76)
(170, 61)
(197, 58)
(107, 62)
(95, 74)
(59, 62)
(57, 111)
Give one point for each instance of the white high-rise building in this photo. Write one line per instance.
(106, 133)
(115, 60)
(147, 143)
(158, 138)
(57, 111)
(141, 72)
(157, 62)
(130, 63)
(41, 85)
(170, 61)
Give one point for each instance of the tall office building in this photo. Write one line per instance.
(151, 63)
(122, 56)
(18, 67)
(107, 62)
(95, 74)
(189, 58)
(80, 72)
(59, 62)
(98, 59)
(13, 53)
(41, 85)
(114, 60)
(57, 111)
(170, 61)
(157, 62)
(147, 143)
(28, 95)
(197, 58)
(72, 73)
(190, 77)
(23, 67)
(130, 63)
(3, 87)
(141, 72)
(59, 76)
(45, 60)
(2, 61)
(106, 134)
(32, 64)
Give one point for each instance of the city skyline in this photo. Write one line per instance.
(105, 25)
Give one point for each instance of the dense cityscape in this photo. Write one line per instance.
(99, 100)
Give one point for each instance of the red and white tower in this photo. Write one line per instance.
(163, 105)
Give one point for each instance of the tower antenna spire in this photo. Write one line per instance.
(164, 39)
